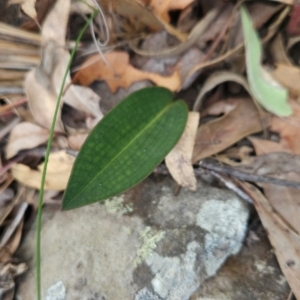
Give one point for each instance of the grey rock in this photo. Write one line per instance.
(145, 244)
(56, 292)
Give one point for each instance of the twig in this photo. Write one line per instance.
(232, 186)
(209, 164)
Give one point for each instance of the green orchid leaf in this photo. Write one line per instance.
(125, 146)
(264, 88)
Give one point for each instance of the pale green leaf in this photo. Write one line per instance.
(265, 89)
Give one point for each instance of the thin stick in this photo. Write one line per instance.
(41, 195)
(210, 165)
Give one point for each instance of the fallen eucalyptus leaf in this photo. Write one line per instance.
(125, 146)
(240, 119)
(264, 88)
(119, 73)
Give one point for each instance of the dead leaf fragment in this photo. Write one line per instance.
(288, 128)
(55, 25)
(288, 76)
(41, 100)
(179, 160)
(240, 119)
(58, 172)
(161, 8)
(28, 6)
(25, 136)
(262, 146)
(118, 73)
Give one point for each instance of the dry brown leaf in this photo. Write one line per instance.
(288, 129)
(241, 118)
(119, 73)
(25, 136)
(55, 25)
(288, 76)
(58, 172)
(42, 101)
(162, 8)
(266, 146)
(285, 241)
(28, 6)
(179, 160)
(41, 84)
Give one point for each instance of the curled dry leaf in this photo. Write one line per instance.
(283, 238)
(118, 72)
(58, 172)
(25, 136)
(240, 119)
(179, 160)
(217, 78)
(39, 83)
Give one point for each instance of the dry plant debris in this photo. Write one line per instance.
(191, 47)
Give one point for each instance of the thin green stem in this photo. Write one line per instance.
(41, 195)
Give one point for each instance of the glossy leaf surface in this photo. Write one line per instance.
(125, 146)
(264, 88)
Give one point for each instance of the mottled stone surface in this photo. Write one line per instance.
(144, 244)
(253, 274)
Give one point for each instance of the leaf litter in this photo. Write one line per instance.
(201, 56)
